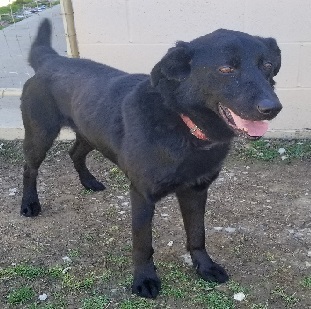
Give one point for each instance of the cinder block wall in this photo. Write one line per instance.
(133, 35)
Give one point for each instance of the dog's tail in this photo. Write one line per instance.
(41, 48)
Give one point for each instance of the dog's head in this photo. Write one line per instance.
(227, 73)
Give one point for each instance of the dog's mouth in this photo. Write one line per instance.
(243, 127)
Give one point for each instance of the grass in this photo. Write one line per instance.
(95, 302)
(268, 150)
(20, 296)
(287, 298)
(307, 282)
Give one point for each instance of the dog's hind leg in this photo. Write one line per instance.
(192, 204)
(38, 140)
(78, 154)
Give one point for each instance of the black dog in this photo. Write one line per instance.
(168, 132)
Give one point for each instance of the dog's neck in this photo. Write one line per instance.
(194, 129)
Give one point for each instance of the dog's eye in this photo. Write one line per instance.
(226, 69)
(267, 66)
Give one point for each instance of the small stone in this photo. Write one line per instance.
(65, 270)
(67, 259)
(239, 296)
(309, 253)
(218, 228)
(164, 215)
(43, 297)
(230, 229)
(187, 259)
(281, 151)
(170, 243)
(284, 158)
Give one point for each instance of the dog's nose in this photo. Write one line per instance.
(268, 107)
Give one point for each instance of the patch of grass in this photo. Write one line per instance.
(73, 253)
(86, 191)
(306, 282)
(74, 283)
(137, 303)
(288, 299)
(95, 302)
(268, 150)
(11, 151)
(21, 295)
(24, 271)
(118, 179)
(236, 287)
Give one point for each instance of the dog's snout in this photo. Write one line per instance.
(269, 107)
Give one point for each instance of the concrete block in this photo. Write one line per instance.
(304, 79)
(288, 75)
(132, 58)
(165, 21)
(101, 21)
(286, 20)
(296, 113)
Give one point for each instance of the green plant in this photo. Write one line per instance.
(307, 282)
(289, 299)
(95, 302)
(21, 295)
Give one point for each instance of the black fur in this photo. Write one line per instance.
(134, 120)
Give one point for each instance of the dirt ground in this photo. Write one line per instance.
(258, 225)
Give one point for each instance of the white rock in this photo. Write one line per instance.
(309, 253)
(230, 229)
(122, 212)
(187, 259)
(164, 215)
(284, 158)
(281, 151)
(170, 243)
(67, 259)
(65, 270)
(43, 297)
(239, 296)
(218, 228)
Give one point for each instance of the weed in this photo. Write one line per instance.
(136, 303)
(11, 151)
(74, 253)
(118, 179)
(73, 283)
(95, 302)
(268, 150)
(235, 287)
(289, 299)
(55, 271)
(86, 191)
(25, 271)
(307, 282)
(21, 295)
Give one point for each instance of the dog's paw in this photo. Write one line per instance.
(146, 286)
(213, 273)
(30, 209)
(93, 184)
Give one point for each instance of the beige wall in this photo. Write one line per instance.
(134, 34)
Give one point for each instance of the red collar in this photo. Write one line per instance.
(194, 129)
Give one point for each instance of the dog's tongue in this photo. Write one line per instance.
(252, 128)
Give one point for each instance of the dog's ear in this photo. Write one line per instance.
(175, 65)
(273, 46)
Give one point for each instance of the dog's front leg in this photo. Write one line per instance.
(146, 282)
(192, 204)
